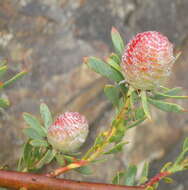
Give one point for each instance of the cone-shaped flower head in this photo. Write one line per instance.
(147, 60)
(68, 132)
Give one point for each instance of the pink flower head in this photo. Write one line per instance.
(68, 132)
(147, 60)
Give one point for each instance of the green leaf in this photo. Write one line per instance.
(60, 159)
(4, 102)
(133, 97)
(174, 91)
(13, 79)
(46, 159)
(46, 115)
(116, 58)
(139, 113)
(86, 170)
(69, 159)
(113, 64)
(117, 148)
(161, 96)
(130, 175)
(32, 133)
(30, 156)
(104, 69)
(117, 178)
(167, 92)
(27, 150)
(185, 144)
(121, 103)
(168, 180)
(3, 70)
(176, 168)
(145, 104)
(144, 175)
(74, 154)
(99, 160)
(112, 94)
(165, 106)
(181, 157)
(35, 124)
(117, 41)
(120, 131)
(166, 166)
(135, 123)
(39, 143)
(99, 140)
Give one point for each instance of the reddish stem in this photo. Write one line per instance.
(64, 169)
(17, 180)
(157, 178)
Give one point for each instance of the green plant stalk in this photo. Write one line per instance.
(99, 151)
(112, 130)
(109, 133)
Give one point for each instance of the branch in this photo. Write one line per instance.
(92, 155)
(157, 178)
(71, 166)
(17, 180)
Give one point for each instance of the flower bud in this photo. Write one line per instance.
(68, 132)
(147, 60)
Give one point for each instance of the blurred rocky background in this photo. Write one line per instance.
(51, 37)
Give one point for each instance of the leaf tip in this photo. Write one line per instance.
(113, 30)
(178, 55)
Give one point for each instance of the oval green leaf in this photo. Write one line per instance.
(86, 170)
(185, 144)
(46, 159)
(112, 93)
(117, 148)
(13, 79)
(46, 115)
(145, 104)
(118, 178)
(104, 69)
(130, 175)
(39, 143)
(117, 41)
(113, 64)
(32, 134)
(116, 58)
(35, 124)
(165, 106)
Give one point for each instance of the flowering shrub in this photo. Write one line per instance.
(138, 72)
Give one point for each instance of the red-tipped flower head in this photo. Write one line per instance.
(147, 60)
(68, 132)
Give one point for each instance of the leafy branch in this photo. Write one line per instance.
(132, 107)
